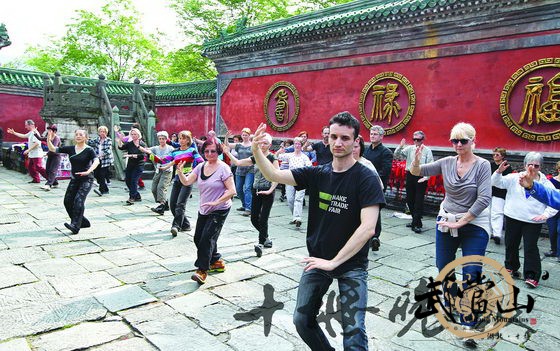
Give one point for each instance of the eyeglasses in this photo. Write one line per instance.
(417, 139)
(462, 141)
(535, 166)
(210, 151)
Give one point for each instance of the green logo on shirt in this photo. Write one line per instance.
(332, 203)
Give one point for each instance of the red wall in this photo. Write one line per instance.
(15, 109)
(198, 119)
(448, 90)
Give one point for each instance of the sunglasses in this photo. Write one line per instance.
(417, 139)
(535, 166)
(210, 151)
(462, 141)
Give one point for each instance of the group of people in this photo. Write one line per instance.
(346, 192)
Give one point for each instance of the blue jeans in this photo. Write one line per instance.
(177, 204)
(131, 179)
(243, 186)
(553, 224)
(353, 300)
(473, 241)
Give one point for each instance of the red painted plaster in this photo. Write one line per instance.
(198, 119)
(15, 109)
(448, 90)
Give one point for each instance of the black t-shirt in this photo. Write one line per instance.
(323, 152)
(497, 192)
(335, 203)
(132, 149)
(80, 162)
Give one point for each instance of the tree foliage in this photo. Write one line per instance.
(110, 43)
(207, 19)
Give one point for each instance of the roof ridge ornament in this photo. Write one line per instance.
(4, 38)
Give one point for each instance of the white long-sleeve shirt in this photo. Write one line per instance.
(517, 205)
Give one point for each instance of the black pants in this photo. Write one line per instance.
(260, 211)
(177, 204)
(415, 198)
(75, 198)
(53, 163)
(101, 174)
(515, 230)
(208, 228)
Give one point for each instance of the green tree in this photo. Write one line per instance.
(206, 19)
(111, 43)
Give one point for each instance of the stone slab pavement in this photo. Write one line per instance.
(124, 284)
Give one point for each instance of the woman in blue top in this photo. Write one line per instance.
(188, 153)
(84, 161)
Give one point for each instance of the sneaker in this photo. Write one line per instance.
(72, 228)
(246, 214)
(218, 266)
(375, 243)
(267, 243)
(159, 210)
(515, 274)
(99, 193)
(259, 250)
(130, 201)
(200, 276)
(46, 187)
(532, 283)
(550, 254)
(298, 223)
(174, 231)
(241, 209)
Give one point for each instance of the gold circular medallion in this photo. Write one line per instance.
(388, 100)
(530, 101)
(281, 106)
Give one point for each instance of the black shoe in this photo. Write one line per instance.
(159, 210)
(130, 202)
(417, 230)
(241, 208)
(267, 243)
(375, 243)
(409, 225)
(497, 240)
(85, 223)
(298, 224)
(550, 254)
(98, 192)
(72, 228)
(186, 229)
(470, 343)
(174, 231)
(259, 250)
(166, 206)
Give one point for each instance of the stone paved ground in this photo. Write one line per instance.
(125, 283)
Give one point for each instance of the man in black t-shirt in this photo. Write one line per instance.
(344, 202)
(322, 149)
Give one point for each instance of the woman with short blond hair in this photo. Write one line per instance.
(464, 216)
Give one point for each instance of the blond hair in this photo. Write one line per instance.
(462, 130)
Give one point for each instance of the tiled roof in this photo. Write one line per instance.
(168, 92)
(174, 92)
(326, 22)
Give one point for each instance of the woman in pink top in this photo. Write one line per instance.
(216, 188)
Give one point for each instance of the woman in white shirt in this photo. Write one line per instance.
(524, 219)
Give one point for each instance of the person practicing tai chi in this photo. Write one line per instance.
(344, 201)
(83, 162)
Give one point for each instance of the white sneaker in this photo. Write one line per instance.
(46, 187)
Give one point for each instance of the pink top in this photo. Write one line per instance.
(213, 187)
